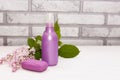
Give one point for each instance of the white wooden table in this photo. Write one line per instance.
(93, 63)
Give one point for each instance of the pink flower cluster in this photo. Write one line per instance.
(19, 55)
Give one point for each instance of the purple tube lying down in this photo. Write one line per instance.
(34, 65)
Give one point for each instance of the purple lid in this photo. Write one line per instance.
(34, 65)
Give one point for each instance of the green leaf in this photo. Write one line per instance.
(68, 51)
(57, 29)
(37, 55)
(38, 41)
(60, 43)
(38, 38)
(37, 47)
(31, 42)
(34, 43)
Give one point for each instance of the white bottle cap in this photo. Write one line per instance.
(50, 18)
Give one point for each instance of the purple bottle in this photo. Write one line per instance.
(50, 43)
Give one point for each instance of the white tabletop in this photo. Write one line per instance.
(93, 63)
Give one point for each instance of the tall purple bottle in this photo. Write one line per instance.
(50, 43)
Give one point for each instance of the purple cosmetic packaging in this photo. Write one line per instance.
(50, 44)
(34, 65)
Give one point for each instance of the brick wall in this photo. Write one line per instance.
(83, 22)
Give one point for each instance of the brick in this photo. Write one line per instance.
(100, 32)
(81, 19)
(13, 31)
(1, 17)
(101, 6)
(26, 18)
(1, 42)
(16, 41)
(46, 5)
(82, 42)
(113, 20)
(38, 30)
(69, 31)
(65, 31)
(113, 42)
(14, 5)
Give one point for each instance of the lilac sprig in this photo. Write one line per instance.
(15, 58)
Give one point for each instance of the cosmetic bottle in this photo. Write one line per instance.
(50, 43)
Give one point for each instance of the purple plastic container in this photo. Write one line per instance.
(50, 45)
(34, 65)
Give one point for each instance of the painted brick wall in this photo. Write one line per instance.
(83, 22)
